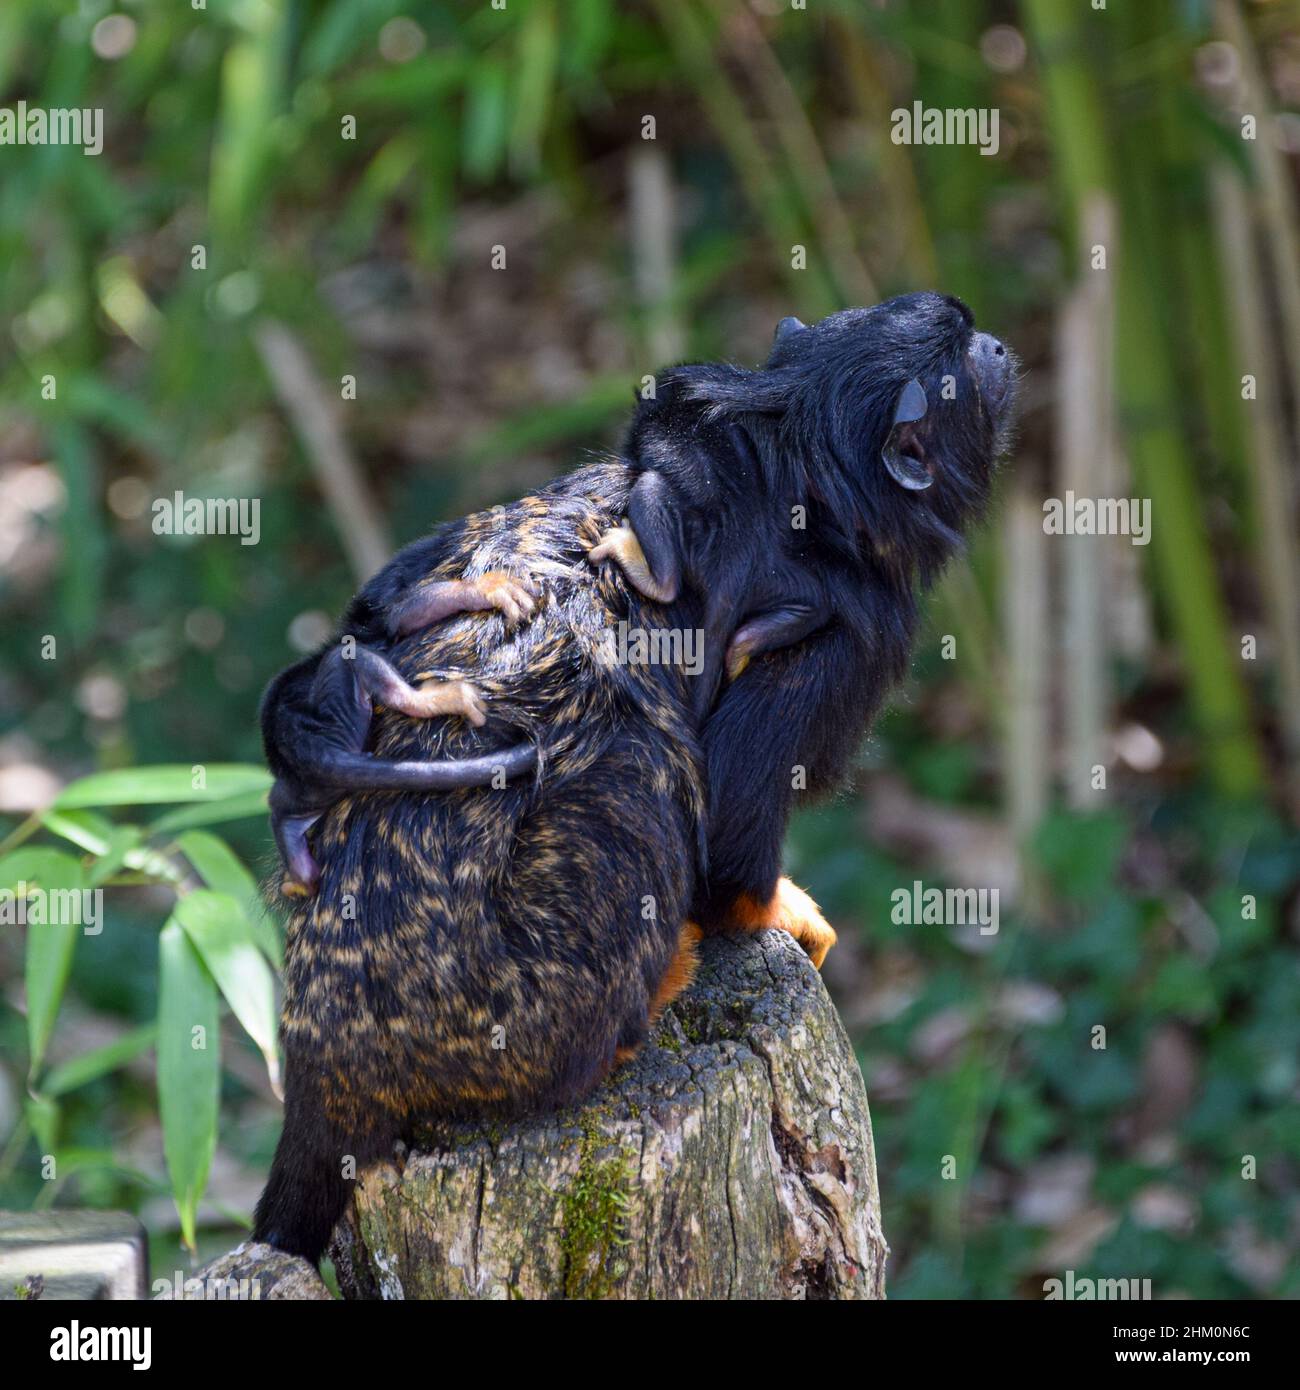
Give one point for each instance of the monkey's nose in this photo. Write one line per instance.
(992, 366)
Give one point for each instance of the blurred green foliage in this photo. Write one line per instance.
(346, 168)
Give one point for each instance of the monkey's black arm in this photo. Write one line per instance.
(318, 736)
(786, 727)
(369, 614)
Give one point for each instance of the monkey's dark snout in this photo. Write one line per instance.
(991, 363)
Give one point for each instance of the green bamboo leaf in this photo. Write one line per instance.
(81, 524)
(222, 934)
(77, 1071)
(244, 141)
(50, 947)
(335, 35)
(53, 922)
(42, 1116)
(86, 829)
(410, 88)
(239, 807)
(223, 871)
(147, 786)
(189, 1069)
(97, 402)
(122, 849)
(112, 845)
(538, 53)
(218, 865)
(486, 120)
(39, 865)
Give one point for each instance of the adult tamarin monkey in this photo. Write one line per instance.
(501, 903)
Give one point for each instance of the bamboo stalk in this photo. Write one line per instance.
(1272, 458)
(896, 188)
(1025, 612)
(759, 180)
(364, 536)
(1184, 564)
(652, 232)
(805, 160)
(1148, 393)
(1277, 201)
(1084, 468)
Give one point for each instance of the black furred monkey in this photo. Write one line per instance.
(853, 459)
(783, 521)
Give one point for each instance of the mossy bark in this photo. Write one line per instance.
(732, 1159)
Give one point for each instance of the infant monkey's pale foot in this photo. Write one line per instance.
(386, 685)
(445, 697)
(620, 543)
(790, 910)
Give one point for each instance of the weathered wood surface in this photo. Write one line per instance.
(71, 1254)
(731, 1159)
(253, 1272)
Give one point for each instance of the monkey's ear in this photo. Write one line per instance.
(787, 328)
(903, 467)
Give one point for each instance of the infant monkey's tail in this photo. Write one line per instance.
(364, 772)
(307, 1191)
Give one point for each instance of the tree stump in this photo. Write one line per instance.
(731, 1159)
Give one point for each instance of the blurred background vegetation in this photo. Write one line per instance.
(1161, 906)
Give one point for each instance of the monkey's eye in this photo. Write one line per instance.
(902, 446)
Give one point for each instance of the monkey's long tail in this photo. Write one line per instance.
(313, 1173)
(363, 772)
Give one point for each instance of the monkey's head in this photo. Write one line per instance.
(888, 421)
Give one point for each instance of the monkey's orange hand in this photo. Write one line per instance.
(790, 910)
(435, 600)
(515, 598)
(620, 543)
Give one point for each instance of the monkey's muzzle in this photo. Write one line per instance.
(992, 366)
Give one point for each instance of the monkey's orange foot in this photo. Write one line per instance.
(790, 910)
(447, 697)
(676, 977)
(621, 544)
(515, 599)
(680, 972)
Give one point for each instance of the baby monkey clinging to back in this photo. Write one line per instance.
(788, 513)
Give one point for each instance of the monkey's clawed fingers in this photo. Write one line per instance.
(515, 599)
(449, 697)
(621, 543)
(790, 910)
(618, 543)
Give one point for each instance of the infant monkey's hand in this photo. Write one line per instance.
(648, 545)
(433, 600)
(621, 544)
